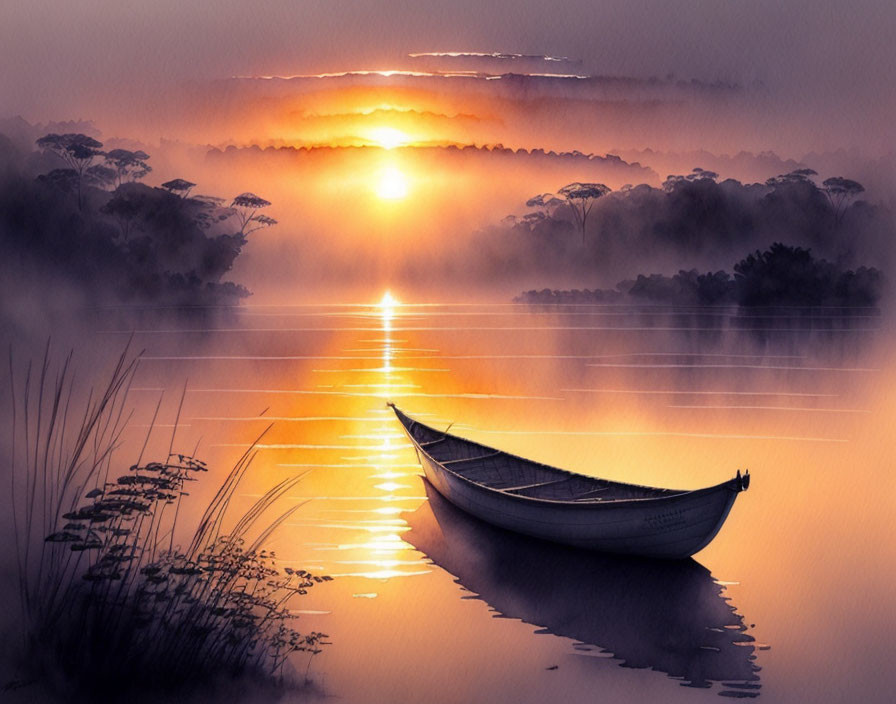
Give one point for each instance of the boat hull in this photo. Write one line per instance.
(673, 528)
(664, 524)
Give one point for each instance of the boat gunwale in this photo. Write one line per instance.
(729, 484)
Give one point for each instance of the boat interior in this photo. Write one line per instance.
(517, 476)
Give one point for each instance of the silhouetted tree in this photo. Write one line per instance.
(791, 275)
(246, 207)
(124, 206)
(581, 198)
(65, 180)
(685, 287)
(783, 275)
(211, 210)
(179, 187)
(76, 150)
(128, 165)
(697, 174)
(547, 201)
(840, 192)
(101, 176)
(713, 288)
(797, 176)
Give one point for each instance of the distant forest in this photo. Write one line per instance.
(779, 276)
(77, 223)
(808, 243)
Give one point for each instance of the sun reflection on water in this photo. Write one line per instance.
(381, 554)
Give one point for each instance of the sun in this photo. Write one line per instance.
(387, 137)
(388, 301)
(387, 306)
(392, 185)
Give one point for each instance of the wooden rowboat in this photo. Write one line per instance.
(553, 504)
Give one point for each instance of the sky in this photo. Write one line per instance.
(60, 58)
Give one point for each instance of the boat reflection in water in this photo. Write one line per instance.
(667, 615)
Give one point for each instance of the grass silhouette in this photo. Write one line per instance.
(110, 605)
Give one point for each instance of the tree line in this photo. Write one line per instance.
(93, 225)
(587, 232)
(778, 276)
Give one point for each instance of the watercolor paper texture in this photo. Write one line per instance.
(650, 244)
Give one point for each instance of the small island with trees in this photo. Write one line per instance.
(695, 214)
(91, 225)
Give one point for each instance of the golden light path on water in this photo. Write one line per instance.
(387, 547)
(384, 554)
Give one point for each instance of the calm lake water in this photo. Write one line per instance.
(792, 602)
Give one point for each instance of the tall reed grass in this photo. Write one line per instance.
(110, 604)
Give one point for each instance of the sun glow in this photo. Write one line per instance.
(387, 137)
(388, 301)
(392, 185)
